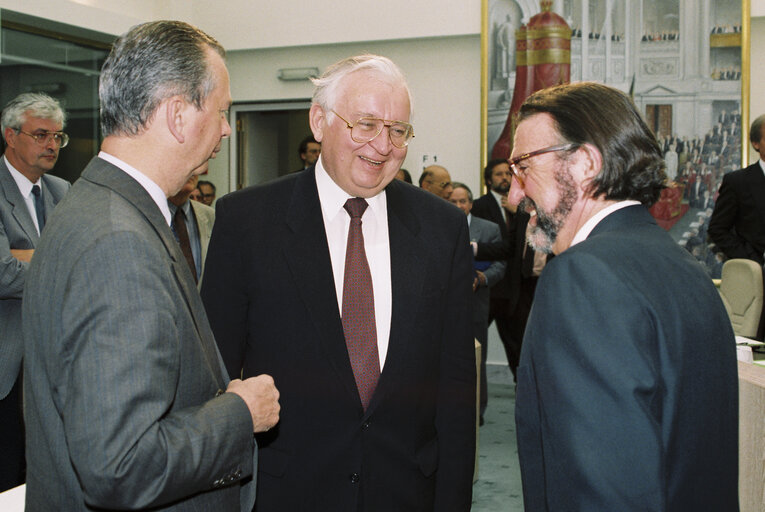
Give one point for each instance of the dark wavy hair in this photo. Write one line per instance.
(592, 113)
(490, 168)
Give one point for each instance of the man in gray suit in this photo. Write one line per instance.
(487, 274)
(127, 402)
(31, 126)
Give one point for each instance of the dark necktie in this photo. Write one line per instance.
(179, 225)
(359, 307)
(39, 206)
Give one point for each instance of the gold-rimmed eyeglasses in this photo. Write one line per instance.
(365, 129)
(520, 173)
(43, 138)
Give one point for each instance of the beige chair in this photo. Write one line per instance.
(741, 290)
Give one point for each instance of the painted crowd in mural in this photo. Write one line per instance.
(679, 59)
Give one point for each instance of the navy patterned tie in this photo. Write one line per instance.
(359, 307)
(39, 206)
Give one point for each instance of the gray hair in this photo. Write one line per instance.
(327, 85)
(457, 184)
(148, 64)
(755, 133)
(34, 104)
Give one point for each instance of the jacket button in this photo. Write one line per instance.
(355, 478)
(365, 425)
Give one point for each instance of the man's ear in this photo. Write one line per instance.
(10, 136)
(317, 118)
(590, 163)
(174, 116)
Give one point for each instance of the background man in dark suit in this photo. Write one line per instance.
(378, 403)
(198, 219)
(627, 384)
(493, 206)
(737, 225)
(487, 274)
(124, 387)
(308, 151)
(31, 126)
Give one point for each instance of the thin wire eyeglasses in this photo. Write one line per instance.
(43, 138)
(366, 129)
(520, 173)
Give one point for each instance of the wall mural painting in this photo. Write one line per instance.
(680, 60)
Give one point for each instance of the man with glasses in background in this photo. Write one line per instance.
(436, 180)
(627, 384)
(353, 290)
(31, 125)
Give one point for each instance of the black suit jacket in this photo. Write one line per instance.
(510, 249)
(271, 300)
(627, 383)
(737, 225)
(486, 207)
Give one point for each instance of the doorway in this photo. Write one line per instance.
(267, 139)
(659, 119)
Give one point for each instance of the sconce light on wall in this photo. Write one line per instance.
(298, 73)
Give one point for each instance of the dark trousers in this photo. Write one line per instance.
(499, 313)
(511, 322)
(12, 462)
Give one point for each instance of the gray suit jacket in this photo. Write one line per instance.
(484, 231)
(123, 383)
(205, 216)
(17, 231)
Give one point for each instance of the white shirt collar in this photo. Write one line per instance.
(156, 193)
(25, 186)
(762, 165)
(593, 221)
(332, 197)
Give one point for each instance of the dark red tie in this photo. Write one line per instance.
(179, 223)
(359, 307)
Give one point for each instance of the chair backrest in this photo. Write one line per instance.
(741, 289)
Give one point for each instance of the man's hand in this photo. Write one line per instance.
(507, 205)
(262, 399)
(22, 254)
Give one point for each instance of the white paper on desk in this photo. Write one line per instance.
(744, 354)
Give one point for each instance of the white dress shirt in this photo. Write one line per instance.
(593, 221)
(152, 188)
(498, 198)
(25, 187)
(374, 226)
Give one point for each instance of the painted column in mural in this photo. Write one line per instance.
(542, 59)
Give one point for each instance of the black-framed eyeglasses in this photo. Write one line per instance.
(43, 138)
(520, 173)
(365, 130)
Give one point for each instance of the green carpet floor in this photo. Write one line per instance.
(498, 488)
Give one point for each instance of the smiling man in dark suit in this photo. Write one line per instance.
(737, 225)
(127, 402)
(31, 127)
(353, 290)
(627, 383)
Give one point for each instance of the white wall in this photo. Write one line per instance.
(436, 42)
(443, 74)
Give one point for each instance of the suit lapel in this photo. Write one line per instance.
(408, 270)
(105, 174)
(14, 198)
(203, 224)
(307, 255)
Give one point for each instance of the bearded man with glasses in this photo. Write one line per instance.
(627, 393)
(353, 289)
(31, 126)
